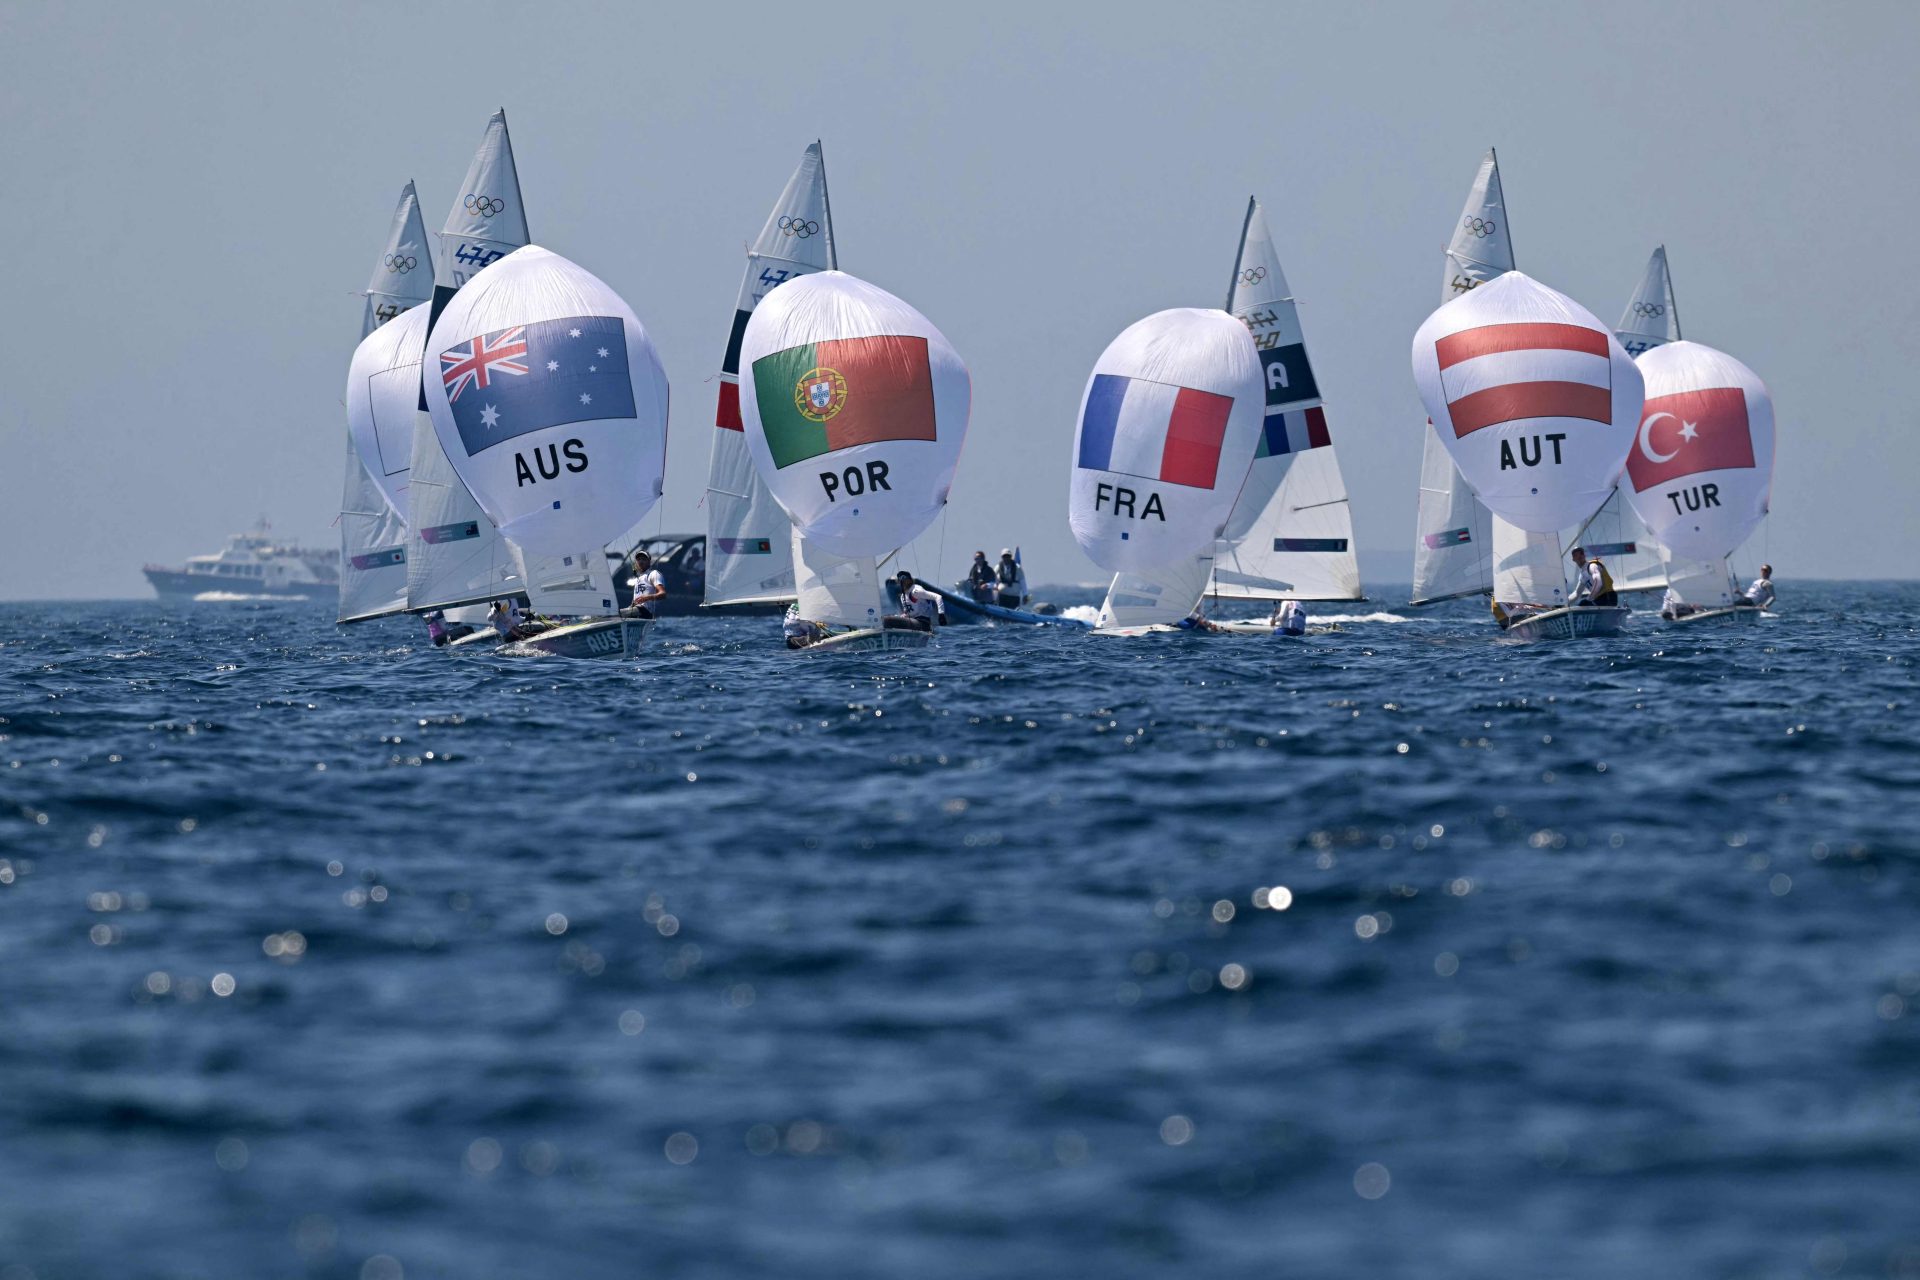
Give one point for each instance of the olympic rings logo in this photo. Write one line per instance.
(1649, 308)
(802, 227)
(1253, 275)
(401, 264)
(1481, 227)
(485, 206)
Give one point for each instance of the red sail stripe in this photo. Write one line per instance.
(727, 418)
(1198, 425)
(1532, 336)
(1519, 400)
(1723, 436)
(1317, 437)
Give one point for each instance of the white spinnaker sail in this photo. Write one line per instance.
(550, 401)
(749, 557)
(835, 591)
(1536, 400)
(1291, 532)
(567, 585)
(854, 407)
(1700, 471)
(1527, 567)
(488, 220)
(1166, 594)
(1451, 547)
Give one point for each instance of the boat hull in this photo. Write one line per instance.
(175, 586)
(596, 638)
(1572, 622)
(870, 640)
(1732, 615)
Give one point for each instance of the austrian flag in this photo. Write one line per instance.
(1501, 373)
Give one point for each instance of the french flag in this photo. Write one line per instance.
(1154, 430)
(1508, 372)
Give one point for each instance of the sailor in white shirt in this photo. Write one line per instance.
(1760, 594)
(1290, 618)
(648, 587)
(917, 603)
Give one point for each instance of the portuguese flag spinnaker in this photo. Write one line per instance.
(824, 396)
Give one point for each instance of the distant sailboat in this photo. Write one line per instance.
(1537, 404)
(854, 407)
(1453, 534)
(373, 528)
(1291, 532)
(749, 554)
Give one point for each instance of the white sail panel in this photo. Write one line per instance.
(488, 220)
(749, 558)
(403, 276)
(1161, 595)
(835, 591)
(1706, 583)
(454, 554)
(1481, 248)
(1453, 548)
(575, 585)
(550, 402)
(373, 548)
(1700, 472)
(1651, 318)
(1167, 430)
(1534, 398)
(1527, 567)
(1291, 532)
(383, 398)
(854, 407)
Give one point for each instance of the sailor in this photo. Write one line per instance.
(919, 607)
(503, 616)
(1672, 606)
(437, 628)
(1511, 612)
(1196, 621)
(648, 587)
(1012, 580)
(800, 633)
(1289, 618)
(980, 580)
(1760, 594)
(1593, 584)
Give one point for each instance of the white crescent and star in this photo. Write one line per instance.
(1646, 439)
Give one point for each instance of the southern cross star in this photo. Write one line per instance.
(553, 366)
(585, 398)
(602, 353)
(573, 333)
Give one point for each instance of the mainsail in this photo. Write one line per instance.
(373, 528)
(749, 556)
(454, 554)
(1451, 548)
(1291, 532)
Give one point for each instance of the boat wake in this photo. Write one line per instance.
(229, 597)
(1087, 613)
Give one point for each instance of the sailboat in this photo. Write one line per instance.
(456, 559)
(1537, 404)
(854, 407)
(1616, 534)
(1453, 534)
(550, 404)
(1291, 532)
(750, 559)
(1701, 472)
(373, 530)
(1169, 422)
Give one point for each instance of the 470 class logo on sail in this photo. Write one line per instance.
(820, 394)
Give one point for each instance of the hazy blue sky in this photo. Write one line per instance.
(193, 194)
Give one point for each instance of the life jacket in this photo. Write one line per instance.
(1606, 579)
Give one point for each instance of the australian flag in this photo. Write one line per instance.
(532, 376)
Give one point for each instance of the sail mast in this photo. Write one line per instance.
(1673, 303)
(1240, 257)
(826, 208)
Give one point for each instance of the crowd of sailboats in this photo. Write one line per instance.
(507, 421)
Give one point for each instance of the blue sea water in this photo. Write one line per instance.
(325, 954)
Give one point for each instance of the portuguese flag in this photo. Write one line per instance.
(825, 396)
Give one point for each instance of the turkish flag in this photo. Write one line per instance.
(1690, 432)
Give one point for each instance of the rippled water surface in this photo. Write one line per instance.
(326, 954)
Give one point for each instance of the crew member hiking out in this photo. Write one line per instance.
(1592, 583)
